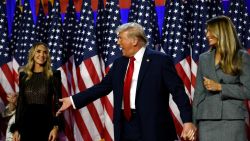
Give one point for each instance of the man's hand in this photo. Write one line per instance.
(66, 103)
(189, 131)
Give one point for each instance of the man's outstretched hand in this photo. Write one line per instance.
(66, 103)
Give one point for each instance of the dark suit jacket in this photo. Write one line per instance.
(157, 79)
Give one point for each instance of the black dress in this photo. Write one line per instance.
(36, 106)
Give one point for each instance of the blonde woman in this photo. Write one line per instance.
(222, 85)
(40, 90)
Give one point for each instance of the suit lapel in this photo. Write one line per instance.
(212, 72)
(144, 67)
(122, 72)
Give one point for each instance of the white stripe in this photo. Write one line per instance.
(186, 67)
(97, 65)
(109, 125)
(15, 65)
(194, 67)
(174, 109)
(64, 79)
(74, 78)
(77, 133)
(89, 122)
(108, 122)
(5, 83)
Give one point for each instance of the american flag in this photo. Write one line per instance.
(176, 43)
(55, 40)
(110, 51)
(41, 30)
(48, 20)
(69, 41)
(100, 25)
(13, 39)
(6, 79)
(25, 38)
(144, 13)
(240, 17)
(87, 72)
(59, 58)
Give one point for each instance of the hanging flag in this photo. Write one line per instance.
(176, 43)
(143, 12)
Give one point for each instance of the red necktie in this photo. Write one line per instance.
(126, 88)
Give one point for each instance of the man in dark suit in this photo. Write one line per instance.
(141, 80)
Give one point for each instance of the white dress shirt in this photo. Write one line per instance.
(137, 65)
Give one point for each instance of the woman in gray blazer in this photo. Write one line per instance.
(222, 85)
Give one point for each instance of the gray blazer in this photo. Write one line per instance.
(227, 104)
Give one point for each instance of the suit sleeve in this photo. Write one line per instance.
(239, 90)
(97, 91)
(199, 88)
(176, 88)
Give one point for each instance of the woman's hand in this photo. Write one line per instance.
(16, 136)
(53, 134)
(211, 85)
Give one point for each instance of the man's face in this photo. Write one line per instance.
(126, 44)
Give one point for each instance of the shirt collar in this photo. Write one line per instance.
(139, 54)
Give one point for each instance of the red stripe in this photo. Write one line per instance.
(183, 76)
(108, 106)
(109, 109)
(82, 127)
(80, 82)
(68, 129)
(64, 68)
(91, 107)
(125, 4)
(247, 102)
(248, 51)
(8, 74)
(92, 110)
(159, 2)
(73, 85)
(193, 79)
(16, 77)
(96, 118)
(177, 124)
(107, 137)
(92, 71)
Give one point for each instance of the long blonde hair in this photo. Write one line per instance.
(228, 44)
(28, 69)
